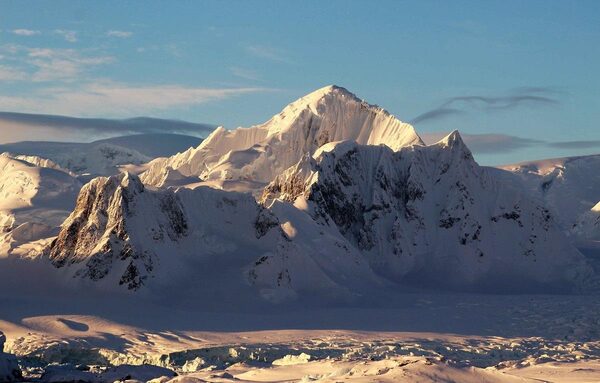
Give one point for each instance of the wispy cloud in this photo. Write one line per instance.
(62, 64)
(70, 36)
(268, 53)
(8, 73)
(25, 32)
(119, 34)
(48, 64)
(244, 73)
(521, 97)
(115, 99)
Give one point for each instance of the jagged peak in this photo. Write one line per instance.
(331, 89)
(455, 143)
(131, 181)
(452, 139)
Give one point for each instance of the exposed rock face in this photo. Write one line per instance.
(9, 368)
(98, 232)
(431, 212)
(122, 234)
(261, 152)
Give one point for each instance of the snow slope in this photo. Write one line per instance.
(261, 152)
(102, 157)
(93, 158)
(34, 200)
(587, 227)
(154, 145)
(432, 216)
(570, 186)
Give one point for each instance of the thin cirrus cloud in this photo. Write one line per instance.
(8, 74)
(520, 97)
(244, 73)
(268, 53)
(48, 64)
(116, 99)
(119, 34)
(62, 64)
(25, 32)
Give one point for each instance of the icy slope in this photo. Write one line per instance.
(123, 234)
(103, 156)
(587, 227)
(33, 200)
(39, 162)
(261, 152)
(570, 186)
(154, 145)
(431, 215)
(100, 158)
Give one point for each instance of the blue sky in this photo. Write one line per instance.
(519, 79)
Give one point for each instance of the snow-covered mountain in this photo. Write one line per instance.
(431, 215)
(570, 186)
(353, 201)
(154, 145)
(34, 199)
(102, 157)
(122, 233)
(259, 153)
(93, 158)
(421, 215)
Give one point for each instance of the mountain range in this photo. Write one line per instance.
(332, 198)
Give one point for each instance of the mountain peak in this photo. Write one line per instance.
(334, 91)
(132, 181)
(329, 114)
(456, 144)
(452, 139)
